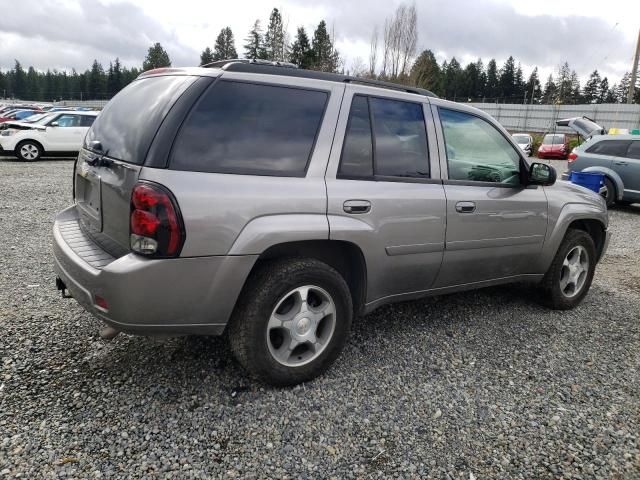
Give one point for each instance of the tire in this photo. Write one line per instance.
(557, 296)
(28, 151)
(270, 318)
(611, 194)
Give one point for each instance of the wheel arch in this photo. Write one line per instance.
(21, 142)
(595, 229)
(611, 175)
(346, 257)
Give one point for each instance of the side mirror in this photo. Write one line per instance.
(542, 174)
(54, 124)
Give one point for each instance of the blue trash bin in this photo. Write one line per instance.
(592, 181)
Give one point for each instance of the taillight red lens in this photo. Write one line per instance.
(572, 157)
(156, 226)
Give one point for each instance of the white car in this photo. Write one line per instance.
(55, 132)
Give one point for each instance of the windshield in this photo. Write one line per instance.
(519, 138)
(553, 139)
(35, 118)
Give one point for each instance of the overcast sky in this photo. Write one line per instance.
(67, 34)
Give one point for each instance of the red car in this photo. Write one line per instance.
(554, 145)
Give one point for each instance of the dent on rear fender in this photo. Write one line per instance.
(264, 232)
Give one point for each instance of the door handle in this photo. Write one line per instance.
(465, 207)
(621, 163)
(357, 206)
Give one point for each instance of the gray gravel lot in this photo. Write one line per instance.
(485, 384)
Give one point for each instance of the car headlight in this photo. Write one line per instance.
(8, 133)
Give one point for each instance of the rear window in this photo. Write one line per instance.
(127, 124)
(252, 129)
(610, 147)
(553, 139)
(521, 138)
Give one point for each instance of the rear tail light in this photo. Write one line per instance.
(155, 223)
(572, 157)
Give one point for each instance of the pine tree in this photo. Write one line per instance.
(622, 90)
(482, 80)
(493, 87)
(603, 90)
(19, 81)
(550, 91)
(325, 57)
(156, 57)
(518, 84)
(274, 39)
(224, 48)
(453, 80)
(301, 54)
(32, 90)
(95, 81)
(534, 89)
(564, 84)
(507, 79)
(206, 56)
(426, 73)
(254, 46)
(591, 91)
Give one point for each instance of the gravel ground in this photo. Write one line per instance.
(484, 384)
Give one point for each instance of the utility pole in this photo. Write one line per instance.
(634, 72)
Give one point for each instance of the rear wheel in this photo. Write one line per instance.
(610, 192)
(28, 151)
(570, 275)
(292, 321)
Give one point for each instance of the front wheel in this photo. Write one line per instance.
(609, 194)
(28, 151)
(291, 321)
(570, 275)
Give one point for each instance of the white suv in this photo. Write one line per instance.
(57, 132)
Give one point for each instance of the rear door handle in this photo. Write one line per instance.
(465, 207)
(357, 206)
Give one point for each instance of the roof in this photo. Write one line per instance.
(290, 70)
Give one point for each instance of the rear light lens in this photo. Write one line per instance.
(156, 227)
(572, 157)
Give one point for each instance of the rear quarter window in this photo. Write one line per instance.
(253, 129)
(126, 126)
(610, 147)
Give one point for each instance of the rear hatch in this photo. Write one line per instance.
(583, 126)
(114, 151)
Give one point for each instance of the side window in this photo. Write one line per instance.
(86, 120)
(357, 152)
(634, 150)
(385, 138)
(67, 120)
(252, 129)
(477, 151)
(610, 147)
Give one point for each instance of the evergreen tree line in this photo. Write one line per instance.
(450, 80)
(507, 84)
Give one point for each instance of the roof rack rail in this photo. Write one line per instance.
(288, 69)
(252, 61)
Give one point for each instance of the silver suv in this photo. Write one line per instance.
(274, 204)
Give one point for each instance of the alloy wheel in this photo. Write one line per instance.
(301, 326)
(575, 269)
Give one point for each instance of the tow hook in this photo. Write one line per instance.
(63, 288)
(109, 333)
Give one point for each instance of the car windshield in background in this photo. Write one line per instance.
(553, 139)
(521, 138)
(36, 118)
(143, 102)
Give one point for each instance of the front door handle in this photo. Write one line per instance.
(357, 206)
(465, 207)
(621, 163)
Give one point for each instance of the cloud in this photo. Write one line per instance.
(55, 33)
(483, 28)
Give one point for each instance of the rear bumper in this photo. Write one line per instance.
(150, 297)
